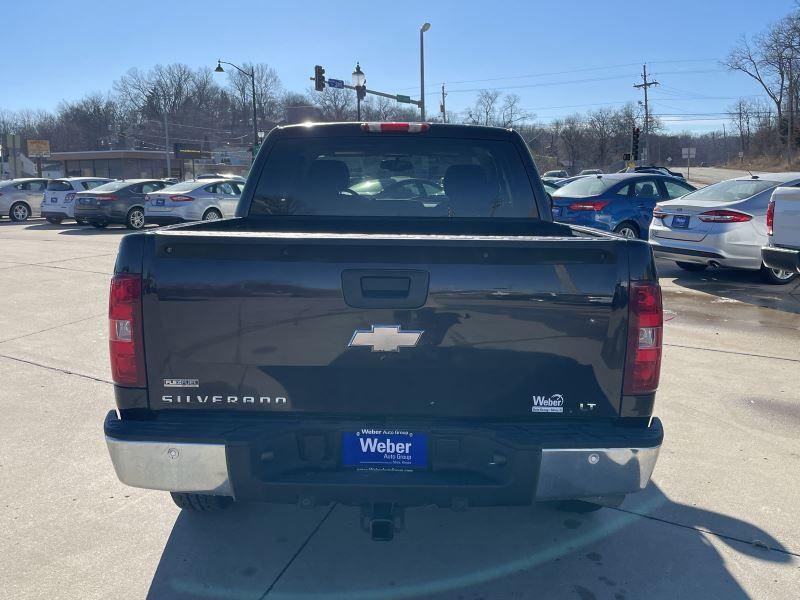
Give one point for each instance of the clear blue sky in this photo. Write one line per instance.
(55, 50)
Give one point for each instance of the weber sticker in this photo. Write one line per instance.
(548, 404)
(182, 383)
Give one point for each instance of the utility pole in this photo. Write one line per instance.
(644, 85)
(166, 142)
(425, 27)
(790, 128)
(725, 143)
(442, 108)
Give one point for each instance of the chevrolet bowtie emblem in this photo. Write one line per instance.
(385, 338)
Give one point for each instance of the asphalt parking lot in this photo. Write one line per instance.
(719, 519)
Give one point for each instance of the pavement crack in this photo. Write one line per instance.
(707, 531)
(795, 360)
(297, 553)
(19, 337)
(56, 369)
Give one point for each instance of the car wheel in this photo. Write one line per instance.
(776, 276)
(627, 230)
(19, 212)
(135, 218)
(691, 266)
(100, 225)
(212, 214)
(200, 502)
(54, 220)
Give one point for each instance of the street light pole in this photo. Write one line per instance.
(422, 31)
(252, 75)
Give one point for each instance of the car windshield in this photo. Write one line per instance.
(732, 190)
(392, 176)
(185, 186)
(112, 186)
(584, 187)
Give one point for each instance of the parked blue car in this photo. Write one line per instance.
(619, 202)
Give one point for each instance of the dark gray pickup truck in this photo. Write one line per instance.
(392, 319)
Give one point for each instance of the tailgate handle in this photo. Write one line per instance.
(384, 288)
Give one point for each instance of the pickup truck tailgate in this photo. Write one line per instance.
(382, 325)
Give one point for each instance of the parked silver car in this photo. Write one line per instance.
(724, 224)
(59, 197)
(196, 200)
(20, 198)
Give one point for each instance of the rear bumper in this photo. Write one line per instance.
(299, 462)
(163, 220)
(734, 245)
(781, 258)
(55, 214)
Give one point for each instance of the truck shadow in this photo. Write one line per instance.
(735, 285)
(652, 547)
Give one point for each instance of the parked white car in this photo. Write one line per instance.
(195, 200)
(59, 197)
(721, 225)
(20, 198)
(783, 230)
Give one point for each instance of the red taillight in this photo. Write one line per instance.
(658, 213)
(395, 127)
(724, 216)
(770, 216)
(107, 197)
(125, 330)
(181, 198)
(69, 197)
(645, 328)
(595, 205)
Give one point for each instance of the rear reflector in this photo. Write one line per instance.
(595, 205)
(770, 216)
(645, 329)
(125, 330)
(724, 216)
(395, 127)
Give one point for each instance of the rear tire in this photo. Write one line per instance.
(695, 267)
(776, 276)
(19, 212)
(54, 220)
(212, 214)
(200, 502)
(135, 219)
(628, 230)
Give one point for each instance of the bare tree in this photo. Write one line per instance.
(511, 113)
(601, 127)
(573, 136)
(336, 104)
(485, 110)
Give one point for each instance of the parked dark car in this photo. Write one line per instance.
(116, 202)
(386, 352)
(658, 170)
(618, 202)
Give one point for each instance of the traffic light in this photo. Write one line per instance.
(635, 143)
(319, 78)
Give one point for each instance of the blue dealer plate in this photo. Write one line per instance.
(385, 449)
(680, 221)
(556, 211)
(159, 202)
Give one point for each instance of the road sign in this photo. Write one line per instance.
(688, 152)
(38, 149)
(403, 98)
(191, 151)
(336, 83)
(741, 154)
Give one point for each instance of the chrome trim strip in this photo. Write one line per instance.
(579, 473)
(173, 467)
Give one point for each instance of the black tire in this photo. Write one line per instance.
(54, 220)
(776, 277)
(695, 267)
(627, 226)
(200, 502)
(19, 212)
(212, 214)
(100, 225)
(135, 218)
